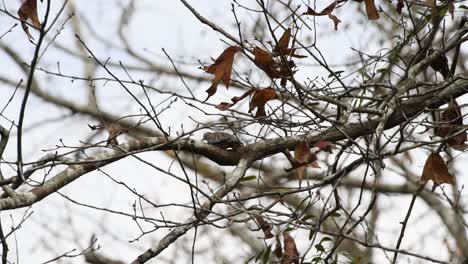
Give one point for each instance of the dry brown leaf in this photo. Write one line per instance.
(335, 19)
(325, 145)
(326, 12)
(290, 253)
(283, 43)
(399, 6)
(302, 153)
(265, 226)
(260, 98)
(282, 47)
(371, 10)
(265, 61)
(222, 68)
(225, 105)
(451, 8)
(451, 122)
(436, 171)
(458, 141)
(28, 10)
(303, 157)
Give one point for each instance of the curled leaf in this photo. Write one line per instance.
(28, 10)
(326, 12)
(371, 10)
(222, 68)
(436, 171)
(265, 226)
(265, 61)
(451, 123)
(335, 19)
(282, 47)
(290, 253)
(225, 105)
(399, 6)
(325, 145)
(303, 157)
(260, 98)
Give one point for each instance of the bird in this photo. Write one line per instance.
(222, 140)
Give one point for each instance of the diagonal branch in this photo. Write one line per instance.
(232, 179)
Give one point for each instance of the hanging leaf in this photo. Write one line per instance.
(28, 10)
(371, 10)
(225, 105)
(325, 145)
(399, 6)
(335, 19)
(222, 68)
(436, 171)
(326, 12)
(283, 42)
(282, 47)
(260, 98)
(265, 61)
(290, 253)
(265, 226)
(303, 158)
(451, 122)
(451, 8)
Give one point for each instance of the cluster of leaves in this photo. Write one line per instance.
(372, 13)
(287, 254)
(449, 125)
(371, 10)
(274, 68)
(304, 157)
(28, 10)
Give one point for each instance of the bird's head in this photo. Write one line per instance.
(206, 136)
